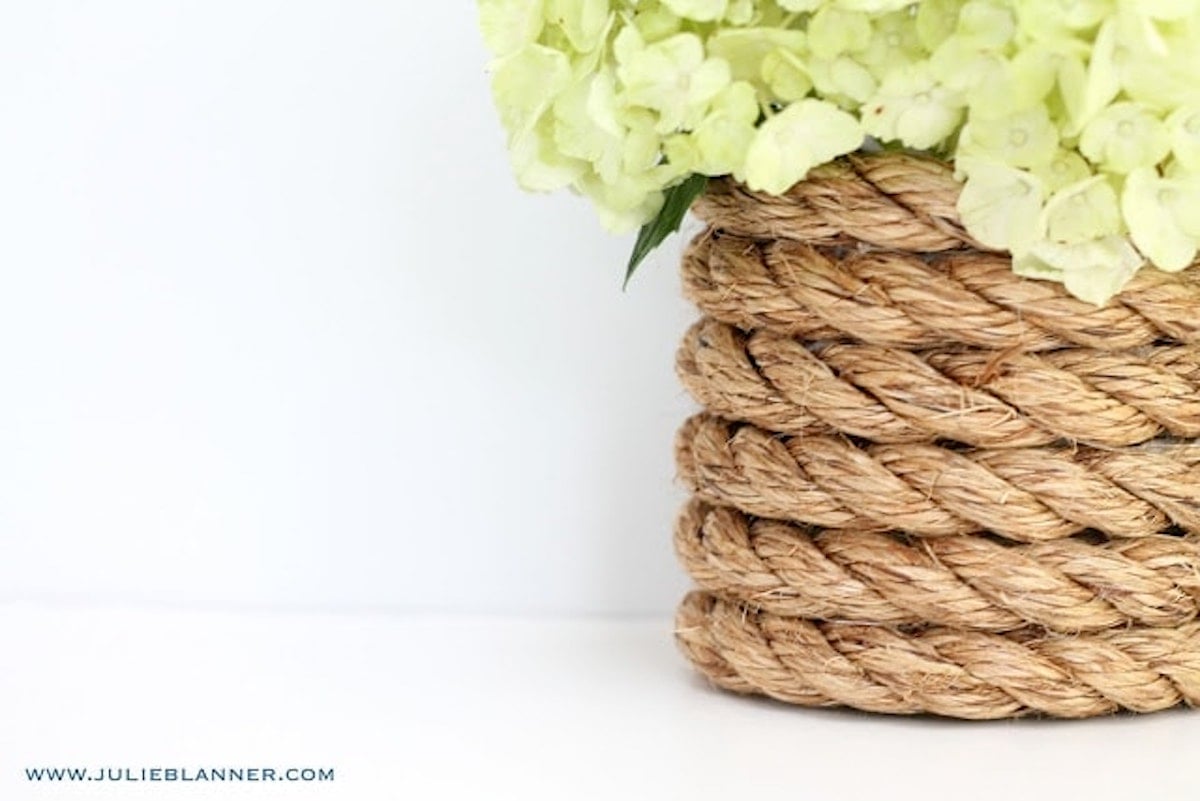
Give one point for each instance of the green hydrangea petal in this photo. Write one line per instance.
(1001, 206)
(509, 25)
(1147, 203)
(790, 143)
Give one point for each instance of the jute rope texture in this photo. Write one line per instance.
(922, 483)
(979, 397)
(914, 300)
(966, 582)
(955, 672)
(1026, 494)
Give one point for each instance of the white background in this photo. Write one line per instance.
(277, 328)
(323, 446)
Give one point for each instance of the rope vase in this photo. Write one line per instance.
(921, 483)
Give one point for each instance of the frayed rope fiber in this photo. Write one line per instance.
(968, 582)
(933, 669)
(921, 483)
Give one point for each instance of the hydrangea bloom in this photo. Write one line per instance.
(1075, 126)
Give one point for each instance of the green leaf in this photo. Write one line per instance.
(675, 207)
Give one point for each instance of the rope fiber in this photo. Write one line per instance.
(921, 483)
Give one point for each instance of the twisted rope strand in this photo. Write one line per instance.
(908, 300)
(966, 674)
(967, 582)
(1026, 495)
(976, 397)
(901, 202)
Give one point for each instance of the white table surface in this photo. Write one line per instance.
(409, 707)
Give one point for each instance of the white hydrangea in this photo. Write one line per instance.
(1074, 126)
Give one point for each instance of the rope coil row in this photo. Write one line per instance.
(972, 396)
(908, 300)
(896, 202)
(1026, 495)
(966, 674)
(966, 582)
(921, 483)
